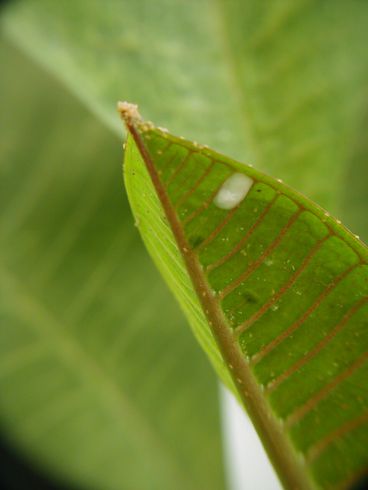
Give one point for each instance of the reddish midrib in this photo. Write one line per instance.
(278, 446)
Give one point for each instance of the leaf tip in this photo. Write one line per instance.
(130, 115)
(128, 112)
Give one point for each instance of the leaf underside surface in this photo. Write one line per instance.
(275, 290)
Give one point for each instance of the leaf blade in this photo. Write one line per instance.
(255, 350)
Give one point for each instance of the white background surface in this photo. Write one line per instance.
(246, 463)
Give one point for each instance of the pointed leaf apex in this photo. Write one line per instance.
(130, 115)
(128, 112)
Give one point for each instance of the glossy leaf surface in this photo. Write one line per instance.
(279, 285)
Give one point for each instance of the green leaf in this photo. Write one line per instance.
(281, 84)
(272, 280)
(95, 383)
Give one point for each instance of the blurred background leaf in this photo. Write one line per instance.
(279, 84)
(355, 195)
(92, 383)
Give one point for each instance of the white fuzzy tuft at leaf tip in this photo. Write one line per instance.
(128, 112)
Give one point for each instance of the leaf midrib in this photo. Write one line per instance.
(279, 448)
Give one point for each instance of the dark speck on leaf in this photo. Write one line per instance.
(250, 297)
(196, 240)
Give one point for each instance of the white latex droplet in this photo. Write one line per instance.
(233, 191)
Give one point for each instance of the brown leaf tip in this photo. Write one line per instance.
(128, 112)
(130, 115)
